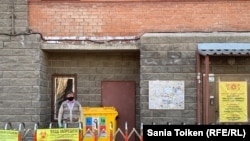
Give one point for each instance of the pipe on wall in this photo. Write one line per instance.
(206, 95)
(13, 17)
(198, 88)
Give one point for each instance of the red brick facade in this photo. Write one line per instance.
(75, 18)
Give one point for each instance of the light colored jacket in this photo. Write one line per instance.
(70, 114)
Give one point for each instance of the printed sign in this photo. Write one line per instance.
(88, 126)
(96, 124)
(102, 126)
(233, 101)
(8, 135)
(60, 134)
(166, 94)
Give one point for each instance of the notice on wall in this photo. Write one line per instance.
(8, 135)
(233, 101)
(60, 134)
(166, 94)
(96, 124)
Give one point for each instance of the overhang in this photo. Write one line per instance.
(49, 47)
(224, 49)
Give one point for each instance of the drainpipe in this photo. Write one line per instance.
(206, 88)
(198, 87)
(100, 40)
(12, 18)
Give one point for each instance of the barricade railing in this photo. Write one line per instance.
(7, 126)
(18, 134)
(126, 135)
(23, 132)
(38, 131)
(94, 134)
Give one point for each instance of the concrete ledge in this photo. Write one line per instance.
(219, 37)
(90, 47)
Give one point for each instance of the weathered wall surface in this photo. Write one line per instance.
(92, 68)
(26, 69)
(14, 16)
(60, 18)
(172, 56)
(23, 83)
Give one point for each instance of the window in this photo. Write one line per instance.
(61, 83)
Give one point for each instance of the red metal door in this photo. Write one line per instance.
(121, 95)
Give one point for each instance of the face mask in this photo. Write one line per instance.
(70, 98)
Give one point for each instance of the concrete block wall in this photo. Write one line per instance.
(14, 16)
(23, 83)
(21, 77)
(168, 57)
(172, 56)
(92, 68)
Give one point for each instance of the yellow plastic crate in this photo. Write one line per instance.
(101, 120)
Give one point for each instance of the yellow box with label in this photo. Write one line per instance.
(100, 121)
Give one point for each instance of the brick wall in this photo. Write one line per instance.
(135, 18)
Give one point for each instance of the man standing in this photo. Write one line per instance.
(70, 110)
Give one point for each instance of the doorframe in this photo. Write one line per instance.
(214, 91)
(214, 49)
(202, 114)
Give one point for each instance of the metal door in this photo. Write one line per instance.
(228, 99)
(121, 95)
